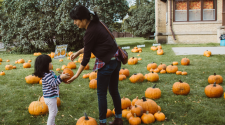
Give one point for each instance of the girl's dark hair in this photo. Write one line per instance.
(81, 12)
(41, 65)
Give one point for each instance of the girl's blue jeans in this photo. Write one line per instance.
(108, 77)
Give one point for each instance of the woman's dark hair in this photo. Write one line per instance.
(81, 12)
(41, 65)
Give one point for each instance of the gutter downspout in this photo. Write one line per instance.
(171, 20)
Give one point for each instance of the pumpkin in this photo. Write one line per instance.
(38, 53)
(93, 75)
(171, 69)
(151, 66)
(63, 52)
(162, 66)
(148, 105)
(86, 76)
(178, 72)
(68, 58)
(63, 67)
(215, 78)
(21, 61)
(175, 63)
(122, 77)
(113, 111)
(132, 61)
(70, 53)
(156, 70)
(151, 70)
(124, 72)
(163, 71)
(26, 65)
(29, 61)
(0, 59)
(92, 55)
(125, 112)
(152, 77)
(138, 54)
(137, 109)
(134, 120)
(8, 67)
(52, 54)
(139, 59)
(7, 60)
(153, 93)
(159, 108)
(147, 118)
(136, 78)
(2, 73)
(159, 47)
(80, 59)
(71, 65)
(15, 62)
(214, 90)
(184, 73)
(58, 101)
(32, 79)
(181, 88)
(87, 67)
(86, 120)
(154, 48)
(37, 108)
(159, 116)
(58, 69)
(208, 53)
(109, 113)
(40, 82)
(134, 100)
(61, 60)
(139, 49)
(129, 115)
(160, 52)
(185, 61)
(125, 102)
(70, 72)
(14, 67)
(93, 84)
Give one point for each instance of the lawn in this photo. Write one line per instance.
(76, 98)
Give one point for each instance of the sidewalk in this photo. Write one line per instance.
(198, 50)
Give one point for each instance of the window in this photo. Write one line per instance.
(194, 10)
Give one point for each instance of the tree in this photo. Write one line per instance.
(34, 24)
(141, 20)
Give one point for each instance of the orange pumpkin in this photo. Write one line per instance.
(151, 66)
(15, 62)
(8, 67)
(136, 78)
(0, 59)
(129, 115)
(58, 69)
(32, 79)
(69, 71)
(207, 53)
(40, 82)
(184, 73)
(159, 108)
(29, 61)
(147, 118)
(148, 105)
(125, 112)
(159, 116)
(87, 67)
(7, 60)
(122, 77)
(159, 47)
(93, 84)
(153, 93)
(70, 53)
(163, 71)
(109, 113)
(156, 70)
(171, 69)
(175, 63)
(93, 75)
(26, 65)
(21, 61)
(37, 108)
(215, 78)
(85, 120)
(178, 72)
(134, 100)
(132, 61)
(61, 60)
(14, 67)
(125, 72)
(86, 76)
(162, 66)
(185, 61)
(152, 77)
(71, 65)
(137, 109)
(214, 90)
(63, 67)
(125, 102)
(134, 120)
(181, 88)
(160, 52)
(2, 73)
(154, 48)
(52, 54)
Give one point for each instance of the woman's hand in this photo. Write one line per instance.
(71, 79)
(75, 55)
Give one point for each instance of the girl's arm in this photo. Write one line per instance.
(50, 79)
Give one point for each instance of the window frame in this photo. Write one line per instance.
(202, 4)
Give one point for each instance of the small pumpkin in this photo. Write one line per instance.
(185, 61)
(86, 76)
(214, 90)
(86, 120)
(14, 67)
(125, 102)
(154, 48)
(29, 61)
(93, 75)
(160, 52)
(163, 71)
(71, 65)
(0, 59)
(93, 84)
(58, 69)
(52, 54)
(63, 67)
(159, 116)
(184, 73)
(137, 109)
(139, 59)
(125, 112)
(122, 77)
(151, 66)
(134, 120)
(21, 61)
(152, 77)
(70, 53)
(132, 61)
(175, 63)
(162, 66)
(32, 79)
(215, 78)
(125, 72)
(147, 118)
(2, 73)
(136, 78)
(7, 60)
(87, 67)
(181, 88)
(69, 71)
(171, 69)
(37, 108)
(156, 70)
(109, 113)
(129, 115)
(207, 53)
(178, 72)
(61, 60)
(26, 65)
(153, 93)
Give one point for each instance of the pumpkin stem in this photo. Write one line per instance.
(128, 108)
(38, 98)
(180, 81)
(135, 73)
(135, 115)
(123, 68)
(137, 97)
(147, 112)
(144, 99)
(214, 84)
(132, 57)
(86, 117)
(135, 106)
(154, 86)
(214, 74)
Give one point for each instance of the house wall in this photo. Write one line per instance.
(188, 32)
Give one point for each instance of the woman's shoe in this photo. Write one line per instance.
(117, 121)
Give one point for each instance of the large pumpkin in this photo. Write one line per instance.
(171, 69)
(214, 90)
(37, 108)
(124, 72)
(85, 120)
(185, 61)
(153, 93)
(32, 79)
(69, 71)
(215, 78)
(152, 77)
(148, 105)
(151, 66)
(93, 84)
(71, 65)
(125, 102)
(132, 61)
(137, 78)
(181, 88)
(8, 67)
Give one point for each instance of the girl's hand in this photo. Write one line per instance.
(65, 76)
(72, 79)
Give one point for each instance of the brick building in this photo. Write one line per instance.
(189, 21)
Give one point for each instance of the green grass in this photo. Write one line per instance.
(77, 97)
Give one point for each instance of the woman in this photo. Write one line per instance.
(98, 41)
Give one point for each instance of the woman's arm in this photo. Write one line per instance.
(75, 55)
(81, 68)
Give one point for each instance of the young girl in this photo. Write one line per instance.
(50, 83)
